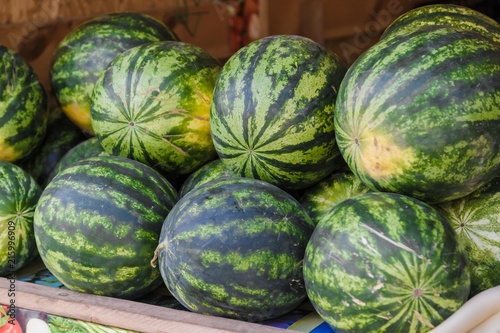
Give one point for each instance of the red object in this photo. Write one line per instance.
(11, 325)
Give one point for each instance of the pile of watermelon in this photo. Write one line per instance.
(278, 177)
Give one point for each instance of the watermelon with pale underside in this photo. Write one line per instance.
(419, 114)
(385, 262)
(84, 53)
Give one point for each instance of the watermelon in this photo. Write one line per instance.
(385, 262)
(272, 111)
(91, 147)
(233, 247)
(320, 198)
(18, 198)
(23, 107)
(62, 135)
(446, 15)
(152, 104)
(210, 171)
(419, 114)
(476, 220)
(98, 222)
(84, 53)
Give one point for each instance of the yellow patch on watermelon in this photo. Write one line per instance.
(80, 115)
(8, 153)
(382, 158)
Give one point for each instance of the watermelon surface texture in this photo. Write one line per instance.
(419, 114)
(234, 248)
(272, 111)
(23, 107)
(385, 262)
(152, 104)
(321, 197)
(19, 195)
(85, 52)
(98, 222)
(476, 220)
(445, 15)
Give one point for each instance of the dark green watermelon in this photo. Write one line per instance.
(385, 262)
(84, 53)
(419, 114)
(212, 170)
(272, 111)
(62, 135)
(234, 248)
(98, 222)
(445, 14)
(476, 220)
(19, 194)
(23, 107)
(152, 104)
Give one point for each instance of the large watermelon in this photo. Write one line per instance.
(385, 262)
(320, 198)
(98, 222)
(19, 194)
(446, 15)
(272, 111)
(152, 104)
(419, 114)
(476, 219)
(234, 248)
(23, 107)
(85, 52)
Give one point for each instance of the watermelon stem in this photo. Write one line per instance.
(160, 246)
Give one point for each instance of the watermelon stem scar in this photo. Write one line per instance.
(158, 248)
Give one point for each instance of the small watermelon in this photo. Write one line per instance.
(23, 107)
(152, 104)
(234, 248)
(97, 223)
(445, 14)
(62, 135)
(212, 170)
(85, 52)
(272, 112)
(419, 114)
(385, 262)
(476, 220)
(320, 198)
(19, 195)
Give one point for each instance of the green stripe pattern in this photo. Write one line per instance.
(420, 114)
(152, 104)
(476, 220)
(23, 107)
(18, 198)
(445, 15)
(321, 197)
(234, 248)
(84, 53)
(210, 171)
(385, 262)
(98, 222)
(272, 111)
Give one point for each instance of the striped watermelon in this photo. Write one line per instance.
(272, 111)
(98, 222)
(385, 262)
(233, 247)
(18, 198)
(419, 114)
(152, 104)
(85, 52)
(476, 219)
(320, 198)
(90, 147)
(23, 107)
(446, 15)
(210, 171)
(62, 135)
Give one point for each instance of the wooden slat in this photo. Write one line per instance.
(119, 313)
